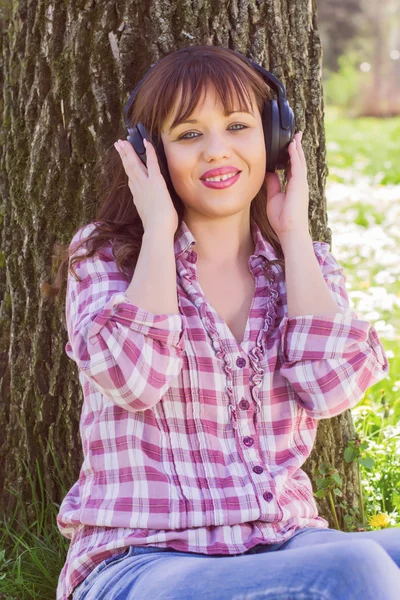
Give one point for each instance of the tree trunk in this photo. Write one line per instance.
(67, 70)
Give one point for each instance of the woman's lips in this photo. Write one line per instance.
(220, 185)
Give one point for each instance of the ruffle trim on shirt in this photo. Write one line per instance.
(257, 353)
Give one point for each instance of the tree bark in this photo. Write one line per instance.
(67, 69)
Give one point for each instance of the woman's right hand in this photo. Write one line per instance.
(149, 190)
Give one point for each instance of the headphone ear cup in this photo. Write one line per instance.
(277, 139)
(285, 135)
(270, 121)
(135, 138)
(162, 162)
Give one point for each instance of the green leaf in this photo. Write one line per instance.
(350, 454)
(337, 492)
(320, 494)
(336, 477)
(327, 483)
(367, 462)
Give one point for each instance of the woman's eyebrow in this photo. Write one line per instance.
(195, 121)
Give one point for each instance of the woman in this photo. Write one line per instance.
(211, 335)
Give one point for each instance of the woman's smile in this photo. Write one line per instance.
(225, 182)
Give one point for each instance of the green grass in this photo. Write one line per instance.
(366, 145)
(377, 419)
(364, 215)
(32, 551)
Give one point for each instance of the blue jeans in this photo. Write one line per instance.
(314, 564)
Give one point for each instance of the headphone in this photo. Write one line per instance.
(277, 120)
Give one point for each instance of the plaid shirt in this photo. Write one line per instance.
(191, 440)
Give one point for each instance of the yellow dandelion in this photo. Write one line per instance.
(381, 520)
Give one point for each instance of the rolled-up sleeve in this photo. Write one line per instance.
(331, 360)
(128, 353)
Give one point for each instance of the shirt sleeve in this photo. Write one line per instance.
(127, 353)
(331, 360)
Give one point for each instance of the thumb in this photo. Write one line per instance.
(154, 166)
(150, 156)
(273, 184)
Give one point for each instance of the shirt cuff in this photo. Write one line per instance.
(318, 337)
(166, 328)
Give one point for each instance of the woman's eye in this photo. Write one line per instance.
(184, 137)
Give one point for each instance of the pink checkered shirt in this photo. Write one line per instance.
(191, 440)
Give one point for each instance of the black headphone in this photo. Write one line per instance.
(277, 119)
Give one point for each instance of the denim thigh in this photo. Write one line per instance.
(296, 569)
(83, 587)
(388, 539)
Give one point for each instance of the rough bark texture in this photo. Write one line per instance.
(66, 71)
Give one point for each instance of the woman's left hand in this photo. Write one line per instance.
(288, 211)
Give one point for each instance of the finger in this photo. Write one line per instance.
(297, 158)
(295, 161)
(301, 150)
(152, 162)
(132, 163)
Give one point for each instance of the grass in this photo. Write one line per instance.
(366, 145)
(363, 212)
(33, 552)
(363, 195)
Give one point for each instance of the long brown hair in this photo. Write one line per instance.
(117, 220)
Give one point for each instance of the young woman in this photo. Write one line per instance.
(211, 335)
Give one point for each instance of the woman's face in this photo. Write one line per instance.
(216, 141)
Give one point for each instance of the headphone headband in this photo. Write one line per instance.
(277, 118)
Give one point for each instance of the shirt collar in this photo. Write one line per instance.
(184, 241)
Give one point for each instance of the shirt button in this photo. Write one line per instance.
(248, 441)
(244, 405)
(267, 496)
(258, 469)
(240, 362)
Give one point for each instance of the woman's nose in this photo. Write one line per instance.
(217, 146)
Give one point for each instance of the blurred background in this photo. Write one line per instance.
(361, 80)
